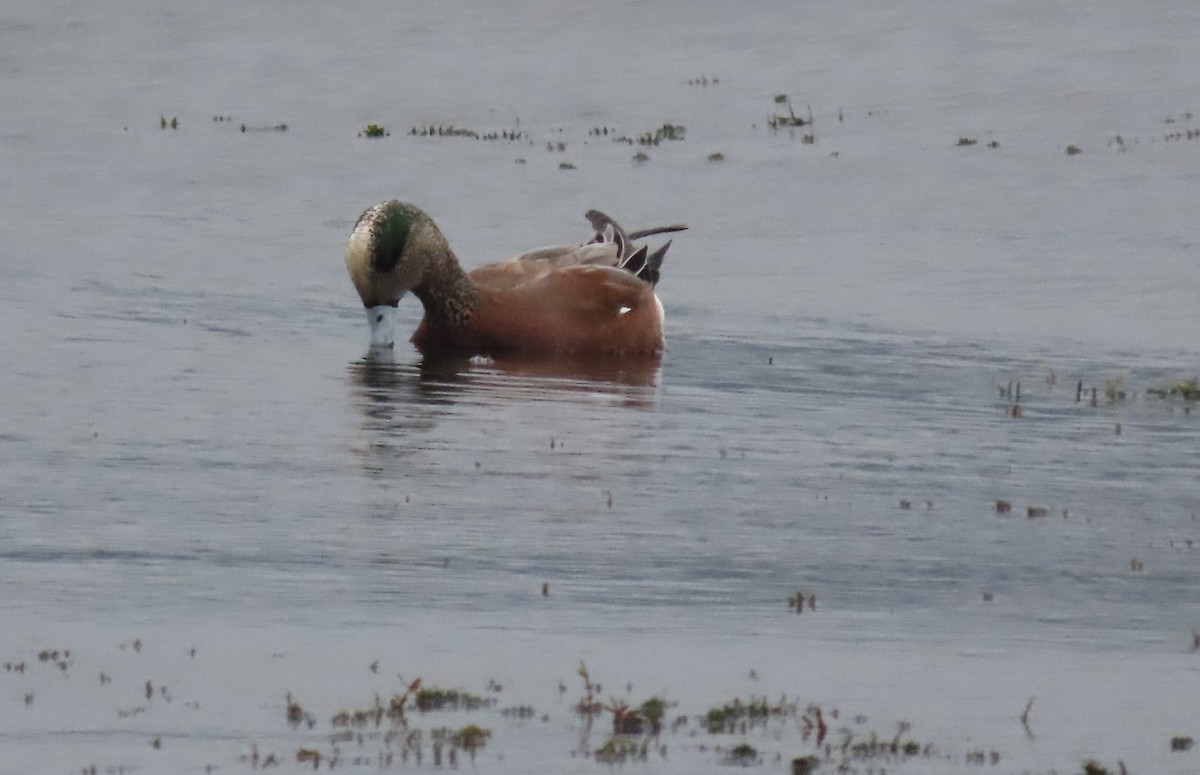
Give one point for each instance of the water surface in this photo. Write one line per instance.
(196, 453)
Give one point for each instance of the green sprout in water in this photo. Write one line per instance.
(756, 711)
(804, 765)
(618, 749)
(1114, 389)
(471, 739)
(375, 130)
(672, 131)
(431, 698)
(667, 131)
(1188, 390)
(742, 754)
(653, 710)
(776, 120)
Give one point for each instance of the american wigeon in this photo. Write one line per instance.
(597, 297)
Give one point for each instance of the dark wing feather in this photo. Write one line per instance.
(635, 263)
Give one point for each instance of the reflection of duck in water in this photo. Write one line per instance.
(595, 298)
(446, 378)
(403, 400)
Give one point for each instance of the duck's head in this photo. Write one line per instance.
(387, 256)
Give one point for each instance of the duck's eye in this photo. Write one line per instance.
(379, 318)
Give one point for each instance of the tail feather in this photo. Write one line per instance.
(641, 233)
(640, 263)
(651, 271)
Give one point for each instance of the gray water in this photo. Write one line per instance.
(206, 484)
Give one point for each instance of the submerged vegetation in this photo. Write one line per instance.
(777, 121)
(783, 116)
(1109, 391)
(735, 716)
(619, 749)
(637, 732)
(430, 698)
(742, 754)
(265, 128)
(387, 732)
(667, 131)
(449, 130)
(1188, 390)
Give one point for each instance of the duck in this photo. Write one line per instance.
(596, 297)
